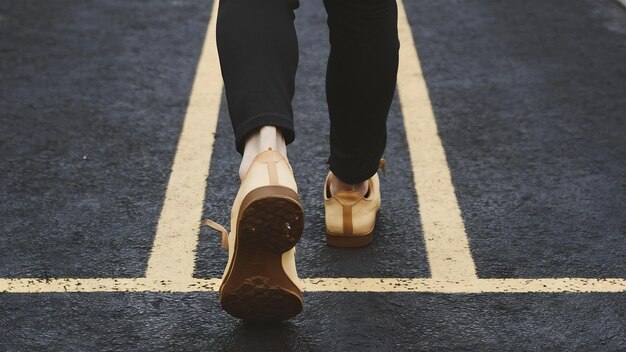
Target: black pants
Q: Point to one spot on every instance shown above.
(258, 50)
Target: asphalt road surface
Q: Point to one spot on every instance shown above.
(528, 155)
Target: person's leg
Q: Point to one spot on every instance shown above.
(258, 50)
(360, 84)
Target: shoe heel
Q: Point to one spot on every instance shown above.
(271, 217)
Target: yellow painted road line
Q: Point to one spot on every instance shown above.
(23, 285)
(556, 285)
(446, 242)
(173, 252)
(171, 264)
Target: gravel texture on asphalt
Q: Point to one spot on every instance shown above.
(529, 101)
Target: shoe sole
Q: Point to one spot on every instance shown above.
(256, 287)
(353, 241)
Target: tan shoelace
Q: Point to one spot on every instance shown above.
(218, 227)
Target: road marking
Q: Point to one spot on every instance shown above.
(559, 285)
(174, 249)
(446, 242)
(171, 264)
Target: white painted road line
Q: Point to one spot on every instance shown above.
(174, 249)
(558, 285)
(447, 245)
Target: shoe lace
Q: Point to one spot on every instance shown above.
(222, 230)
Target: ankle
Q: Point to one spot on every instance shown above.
(259, 141)
(337, 185)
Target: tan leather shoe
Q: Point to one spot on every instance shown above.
(350, 217)
(260, 281)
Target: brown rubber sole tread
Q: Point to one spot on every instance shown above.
(258, 300)
(256, 287)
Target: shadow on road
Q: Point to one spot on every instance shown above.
(285, 336)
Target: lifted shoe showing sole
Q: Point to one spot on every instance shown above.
(260, 282)
(257, 287)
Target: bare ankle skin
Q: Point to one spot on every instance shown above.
(259, 141)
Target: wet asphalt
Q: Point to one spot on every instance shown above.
(530, 105)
